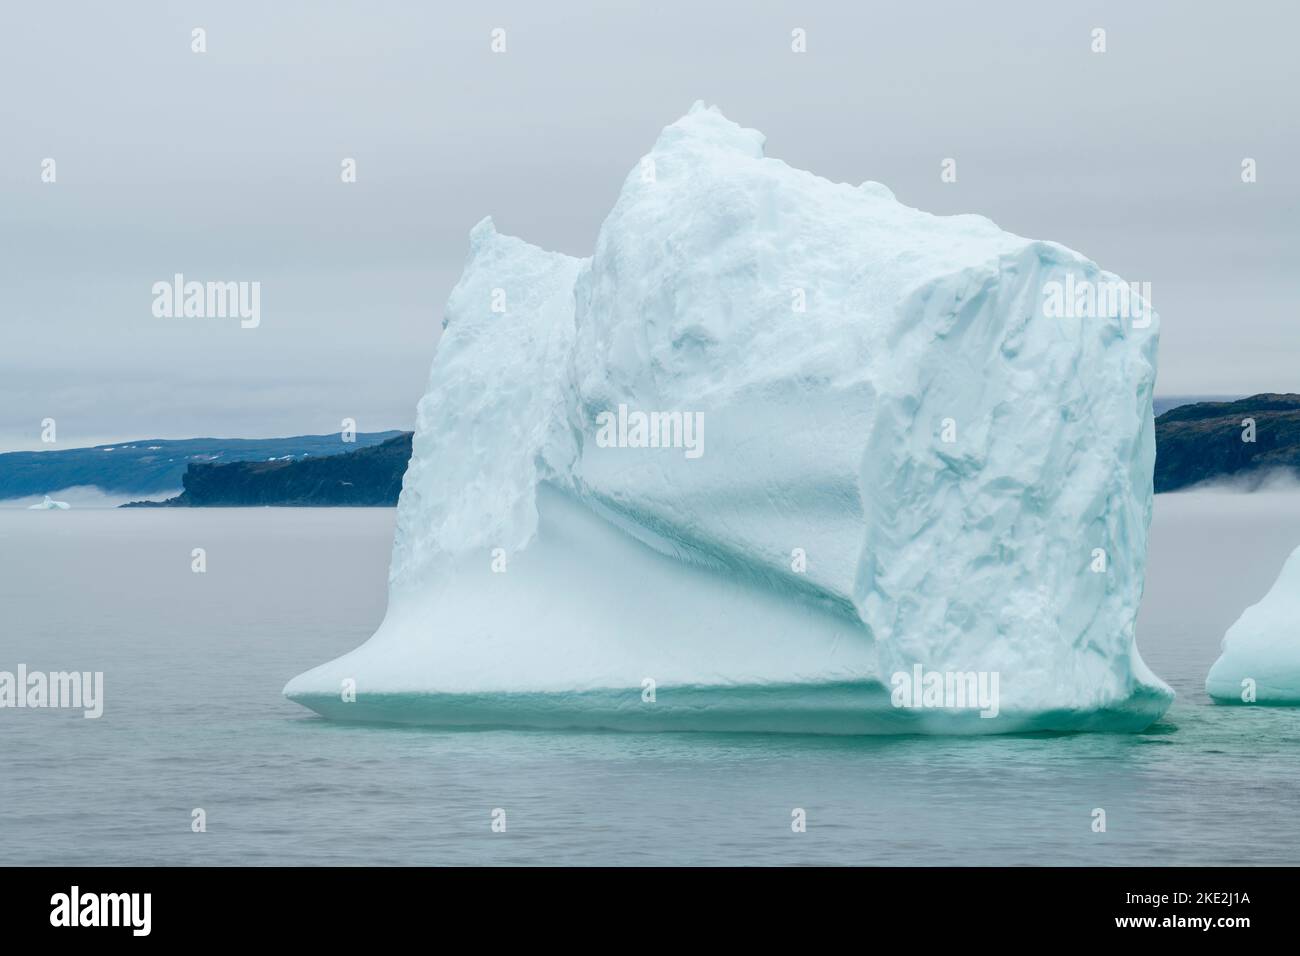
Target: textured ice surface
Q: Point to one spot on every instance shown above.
(882, 398)
(492, 423)
(49, 504)
(1263, 647)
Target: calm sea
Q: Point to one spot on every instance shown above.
(193, 718)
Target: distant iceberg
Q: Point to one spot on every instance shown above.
(49, 504)
(778, 445)
(1260, 659)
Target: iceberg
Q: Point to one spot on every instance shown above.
(777, 448)
(1260, 659)
(49, 504)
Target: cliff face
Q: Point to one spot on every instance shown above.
(1202, 442)
(367, 477)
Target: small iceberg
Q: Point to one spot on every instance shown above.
(49, 504)
(1260, 660)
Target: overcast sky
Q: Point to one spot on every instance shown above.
(225, 165)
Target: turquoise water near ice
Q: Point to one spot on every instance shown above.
(193, 717)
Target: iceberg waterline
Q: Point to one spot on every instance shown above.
(908, 464)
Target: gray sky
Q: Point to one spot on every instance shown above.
(225, 165)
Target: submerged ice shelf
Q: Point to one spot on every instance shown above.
(896, 460)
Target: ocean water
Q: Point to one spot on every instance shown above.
(193, 718)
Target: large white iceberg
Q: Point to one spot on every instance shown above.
(1260, 659)
(776, 442)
